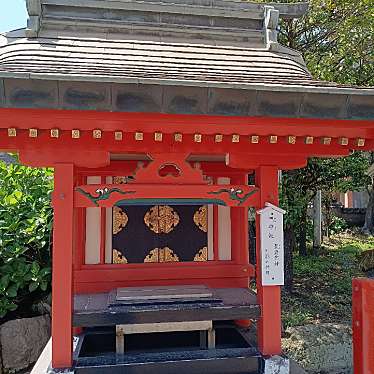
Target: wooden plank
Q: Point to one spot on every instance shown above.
(205, 327)
(165, 292)
(175, 314)
(147, 328)
(214, 365)
(93, 310)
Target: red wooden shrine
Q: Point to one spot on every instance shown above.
(172, 137)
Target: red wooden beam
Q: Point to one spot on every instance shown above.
(102, 278)
(164, 271)
(138, 194)
(62, 278)
(103, 285)
(89, 152)
(86, 144)
(269, 325)
(169, 123)
(128, 167)
(296, 136)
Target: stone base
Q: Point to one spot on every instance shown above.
(22, 341)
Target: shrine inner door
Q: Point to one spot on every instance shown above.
(159, 233)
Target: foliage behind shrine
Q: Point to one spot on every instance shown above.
(25, 236)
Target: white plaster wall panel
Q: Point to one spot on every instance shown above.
(93, 230)
(108, 230)
(224, 227)
(210, 233)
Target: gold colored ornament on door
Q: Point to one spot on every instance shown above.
(120, 220)
(161, 255)
(161, 219)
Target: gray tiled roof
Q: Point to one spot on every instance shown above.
(130, 55)
(195, 41)
(137, 61)
(119, 60)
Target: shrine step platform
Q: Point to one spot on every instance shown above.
(224, 304)
(167, 353)
(164, 330)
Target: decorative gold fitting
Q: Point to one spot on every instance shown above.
(139, 136)
(273, 139)
(75, 134)
(198, 138)
(291, 139)
(326, 141)
(255, 139)
(309, 140)
(33, 133)
(55, 133)
(118, 135)
(158, 136)
(218, 138)
(360, 142)
(178, 137)
(12, 132)
(343, 141)
(235, 138)
(97, 134)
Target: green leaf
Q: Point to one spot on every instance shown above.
(17, 194)
(45, 271)
(12, 291)
(35, 267)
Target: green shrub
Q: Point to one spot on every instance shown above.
(25, 237)
(338, 225)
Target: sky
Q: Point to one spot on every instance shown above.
(13, 14)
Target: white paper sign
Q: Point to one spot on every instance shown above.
(272, 245)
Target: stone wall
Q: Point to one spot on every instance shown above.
(22, 341)
(353, 216)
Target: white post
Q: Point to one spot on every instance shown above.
(317, 221)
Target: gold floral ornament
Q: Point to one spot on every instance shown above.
(120, 220)
(119, 180)
(201, 218)
(161, 219)
(202, 255)
(118, 257)
(161, 255)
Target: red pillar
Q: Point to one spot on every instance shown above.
(363, 325)
(62, 274)
(269, 297)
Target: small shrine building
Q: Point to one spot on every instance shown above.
(153, 114)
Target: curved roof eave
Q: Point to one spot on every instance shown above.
(184, 98)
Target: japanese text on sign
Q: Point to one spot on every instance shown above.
(272, 241)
